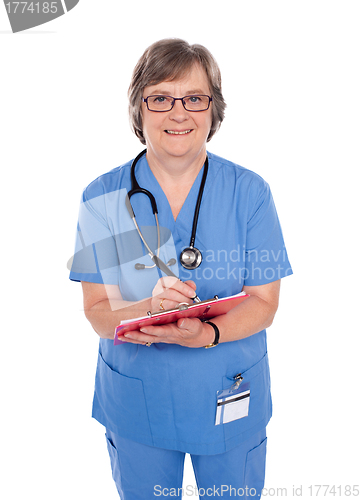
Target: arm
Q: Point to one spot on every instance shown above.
(105, 307)
(252, 316)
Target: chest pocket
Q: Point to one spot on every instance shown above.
(233, 403)
(255, 409)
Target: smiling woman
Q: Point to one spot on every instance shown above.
(179, 132)
(161, 394)
(166, 61)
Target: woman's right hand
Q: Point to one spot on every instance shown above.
(169, 292)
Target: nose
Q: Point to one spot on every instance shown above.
(178, 113)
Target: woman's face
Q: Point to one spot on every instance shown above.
(178, 133)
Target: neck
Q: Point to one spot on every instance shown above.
(170, 170)
(176, 176)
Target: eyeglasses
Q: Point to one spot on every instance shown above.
(163, 103)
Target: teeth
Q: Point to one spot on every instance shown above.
(177, 133)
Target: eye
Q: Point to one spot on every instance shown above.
(159, 99)
(194, 99)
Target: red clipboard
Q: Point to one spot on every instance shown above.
(203, 310)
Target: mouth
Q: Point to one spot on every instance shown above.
(178, 132)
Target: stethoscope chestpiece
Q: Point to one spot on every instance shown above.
(190, 258)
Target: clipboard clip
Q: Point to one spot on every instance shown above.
(183, 306)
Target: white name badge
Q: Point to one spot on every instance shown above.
(233, 403)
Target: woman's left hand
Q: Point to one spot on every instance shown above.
(188, 332)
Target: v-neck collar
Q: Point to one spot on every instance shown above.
(186, 213)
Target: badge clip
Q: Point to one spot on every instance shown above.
(238, 380)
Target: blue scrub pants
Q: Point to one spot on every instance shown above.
(142, 472)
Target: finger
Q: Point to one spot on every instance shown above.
(190, 324)
(177, 296)
(163, 284)
(136, 337)
(169, 283)
(178, 292)
(172, 302)
(191, 284)
(161, 333)
(186, 288)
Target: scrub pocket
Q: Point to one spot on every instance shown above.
(232, 403)
(113, 454)
(119, 403)
(256, 467)
(254, 404)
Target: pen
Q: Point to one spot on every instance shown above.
(163, 267)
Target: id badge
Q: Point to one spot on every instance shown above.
(233, 403)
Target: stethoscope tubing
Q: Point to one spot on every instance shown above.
(198, 204)
(190, 257)
(136, 188)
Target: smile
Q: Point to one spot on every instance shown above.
(174, 132)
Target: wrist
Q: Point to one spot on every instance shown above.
(214, 335)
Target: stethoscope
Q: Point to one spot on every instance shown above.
(191, 257)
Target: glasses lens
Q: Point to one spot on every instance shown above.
(159, 103)
(196, 102)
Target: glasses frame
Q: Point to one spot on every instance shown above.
(145, 99)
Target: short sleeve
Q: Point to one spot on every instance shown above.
(95, 257)
(266, 258)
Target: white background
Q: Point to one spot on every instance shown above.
(291, 73)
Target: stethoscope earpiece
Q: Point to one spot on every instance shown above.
(139, 266)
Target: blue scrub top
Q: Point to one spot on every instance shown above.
(166, 395)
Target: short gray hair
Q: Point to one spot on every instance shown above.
(168, 60)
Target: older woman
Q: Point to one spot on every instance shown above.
(161, 394)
